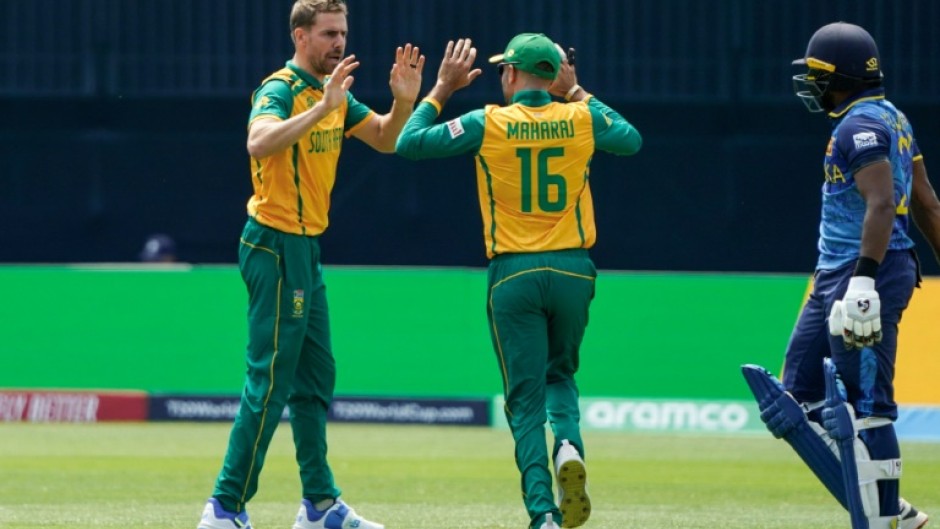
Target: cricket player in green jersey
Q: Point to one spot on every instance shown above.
(299, 118)
(533, 163)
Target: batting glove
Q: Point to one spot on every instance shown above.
(857, 316)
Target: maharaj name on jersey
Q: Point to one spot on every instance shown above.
(540, 130)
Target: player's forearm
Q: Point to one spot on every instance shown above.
(876, 229)
(926, 215)
(928, 222)
(925, 208)
(267, 137)
(409, 143)
(391, 125)
(441, 93)
(576, 93)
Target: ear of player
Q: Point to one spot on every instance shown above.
(857, 316)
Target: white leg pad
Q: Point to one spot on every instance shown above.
(869, 472)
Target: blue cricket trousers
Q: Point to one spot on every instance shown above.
(868, 373)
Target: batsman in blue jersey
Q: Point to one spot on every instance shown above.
(835, 405)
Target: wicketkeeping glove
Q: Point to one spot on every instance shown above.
(857, 316)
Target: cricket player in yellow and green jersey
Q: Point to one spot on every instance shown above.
(300, 116)
(533, 161)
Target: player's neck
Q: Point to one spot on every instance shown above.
(305, 65)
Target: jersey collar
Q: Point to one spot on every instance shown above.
(865, 95)
(304, 75)
(532, 98)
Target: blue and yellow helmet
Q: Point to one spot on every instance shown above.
(839, 57)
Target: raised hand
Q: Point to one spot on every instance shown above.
(567, 77)
(405, 79)
(334, 90)
(455, 70)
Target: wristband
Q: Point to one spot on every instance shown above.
(866, 266)
(572, 91)
(434, 103)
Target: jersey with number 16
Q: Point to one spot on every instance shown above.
(533, 162)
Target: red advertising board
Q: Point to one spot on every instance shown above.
(72, 406)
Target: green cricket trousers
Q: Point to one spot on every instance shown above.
(289, 360)
(538, 311)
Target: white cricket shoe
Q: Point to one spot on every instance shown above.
(549, 523)
(571, 478)
(911, 518)
(216, 517)
(338, 516)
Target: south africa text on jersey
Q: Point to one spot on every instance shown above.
(540, 130)
(326, 140)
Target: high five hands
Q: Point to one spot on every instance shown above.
(455, 70)
(405, 78)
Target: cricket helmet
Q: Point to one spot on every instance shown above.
(839, 57)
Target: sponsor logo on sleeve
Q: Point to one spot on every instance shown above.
(455, 128)
(864, 140)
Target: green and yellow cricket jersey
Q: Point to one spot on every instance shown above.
(292, 187)
(533, 164)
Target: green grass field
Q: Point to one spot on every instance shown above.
(411, 477)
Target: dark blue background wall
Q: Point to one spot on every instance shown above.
(121, 118)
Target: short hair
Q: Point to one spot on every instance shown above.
(304, 13)
(545, 66)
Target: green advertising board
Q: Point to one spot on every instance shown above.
(409, 332)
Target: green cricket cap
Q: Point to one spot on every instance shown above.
(533, 53)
